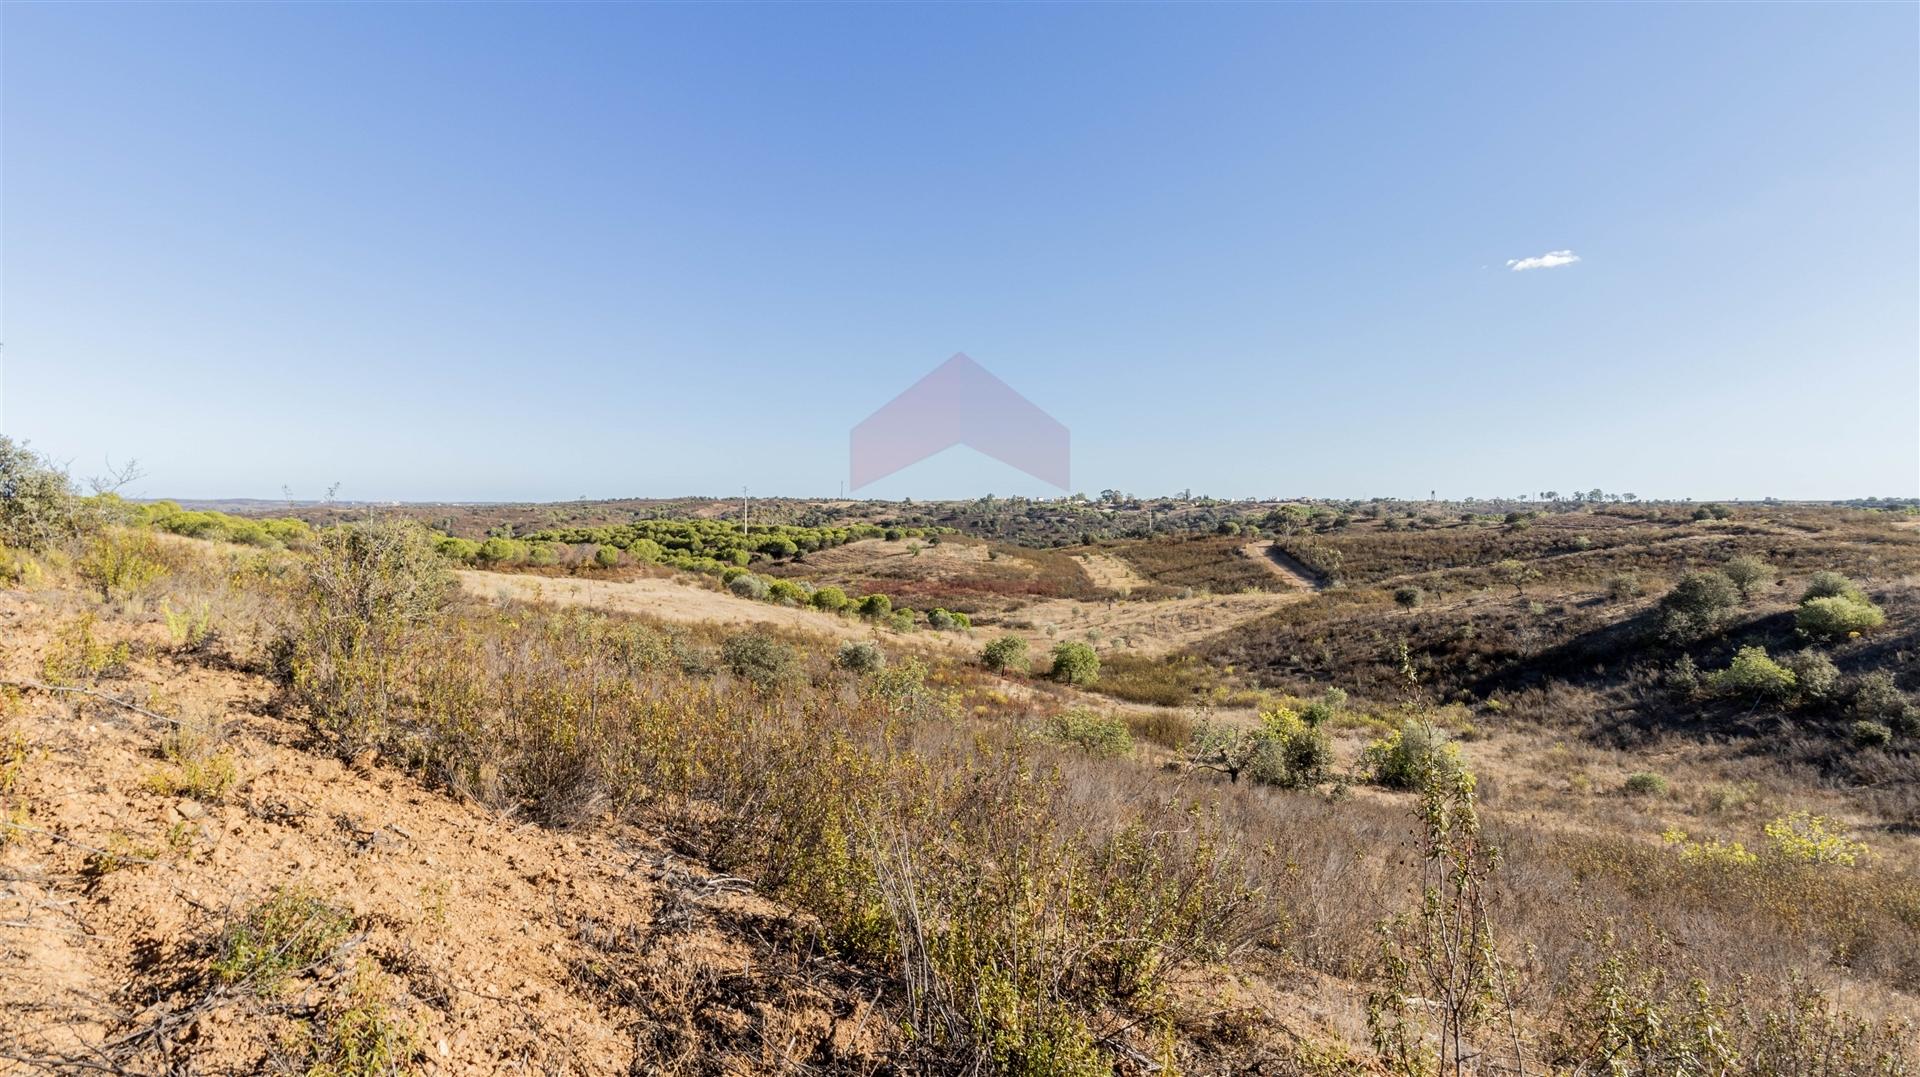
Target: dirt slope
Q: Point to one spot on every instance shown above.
(496, 946)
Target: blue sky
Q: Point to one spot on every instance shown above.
(505, 252)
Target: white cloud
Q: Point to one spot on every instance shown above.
(1549, 260)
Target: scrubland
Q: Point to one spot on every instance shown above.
(301, 802)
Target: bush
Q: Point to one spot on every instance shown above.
(121, 563)
(1831, 585)
(1838, 617)
(606, 556)
(1698, 605)
(1875, 698)
(290, 931)
(1753, 674)
(1008, 654)
(856, 657)
(1815, 675)
(748, 585)
(1806, 838)
(500, 551)
(1645, 784)
(462, 551)
(948, 620)
(366, 588)
(1325, 709)
(1094, 733)
(1075, 663)
(786, 592)
(1870, 735)
(1624, 586)
(830, 599)
(876, 607)
(198, 766)
(1289, 752)
(1412, 756)
(1408, 597)
(1748, 573)
(758, 658)
(37, 504)
(1284, 751)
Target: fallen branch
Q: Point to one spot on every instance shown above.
(91, 694)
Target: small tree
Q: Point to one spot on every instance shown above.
(1075, 663)
(37, 505)
(1408, 596)
(876, 607)
(1748, 573)
(606, 556)
(1092, 732)
(830, 599)
(1008, 654)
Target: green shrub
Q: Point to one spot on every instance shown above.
(830, 599)
(1870, 735)
(940, 620)
(901, 620)
(1283, 751)
(606, 556)
(858, 657)
(876, 607)
(1075, 663)
(1752, 674)
(198, 766)
(121, 563)
(188, 629)
(1094, 733)
(1825, 584)
(366, 588)
(359, 1034)
(1698, 605)
(1008, 654)
(289, 932)
(1837, 617)
(37, 503)
(1408, 596)
(758, 658)
(543, 554)
(901, 690)
(1814, 675)
(1412, 756)
(462, 551)
(1874, 697)
(1748, 573)
(1624, 586)
(501, 551)
(786, 592)
(748, 585)
(1645, 783)
(1289, 752)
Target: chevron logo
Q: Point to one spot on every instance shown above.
(960, 403)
